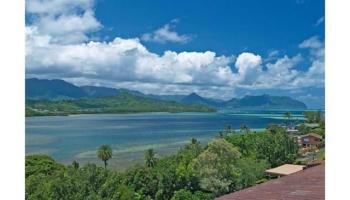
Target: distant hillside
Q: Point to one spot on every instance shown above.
(44, 89)
(194, 98)
(246, 103)
(122, 103)
(264, 102)
(37, 89)
(93, 91)
(52, 89)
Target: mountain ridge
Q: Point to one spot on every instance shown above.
(41, 89)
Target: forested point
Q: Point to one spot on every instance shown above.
(122, 103)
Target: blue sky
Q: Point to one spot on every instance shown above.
(226, 26)
(220, 49)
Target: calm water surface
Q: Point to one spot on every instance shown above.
(77, 137)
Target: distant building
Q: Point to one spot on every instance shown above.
(311, 140)
(312, 125)
(292, 131)
(304, 184)
(284, 170)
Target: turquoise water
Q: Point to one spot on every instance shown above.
(77, 137)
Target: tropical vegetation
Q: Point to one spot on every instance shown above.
(228, 163)
(122, 103)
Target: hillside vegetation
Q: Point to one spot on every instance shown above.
(121, 103)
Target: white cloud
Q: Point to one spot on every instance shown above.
(124, 60)
(249, 67)
(165, 34)
(313, 43)
(319, 21)
(54, 7)
(58, 46)
(65, 21)
(315, 74)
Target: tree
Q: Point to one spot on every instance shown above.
(250, 171)
(277, 148)
(287, 117)
(228, 130)
(184, 194)
(194, 141)
(274, 129)
(105, 153)
(314, 117)
(75, 164)
(125, 193)
(150, 158)
(41, 164)
(244, 128)
(215, 166)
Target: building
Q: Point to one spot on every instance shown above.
(292, 131)
(284, 170)
(304, 184)
(311, 140)
(312, 125)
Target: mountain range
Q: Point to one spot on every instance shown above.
(43, 89)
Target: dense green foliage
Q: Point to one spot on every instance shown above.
(274, 146)
(314, 117)
(122, 103)
(228, 163)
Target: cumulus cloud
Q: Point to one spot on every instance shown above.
(64, 21)
(58, 46)
(124, 60)
(249, 67)
(166, 34)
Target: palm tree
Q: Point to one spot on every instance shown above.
(194, 141)
(150, 158)
(104, 153)
(75, 164)
(287, 117)
(244, 128)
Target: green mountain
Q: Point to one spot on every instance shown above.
(194, 98)
(44, 89)
(51, 89)
(94, 91)
(121, 103)
(264, 102)
(48, 90)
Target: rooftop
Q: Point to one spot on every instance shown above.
(303, 185)
(286, 169)
(313, 135)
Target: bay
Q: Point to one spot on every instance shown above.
(77, 137)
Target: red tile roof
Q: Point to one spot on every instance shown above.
(308, 184)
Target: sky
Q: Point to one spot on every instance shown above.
(218, 49)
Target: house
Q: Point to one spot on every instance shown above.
(284, 170)
(311, 140)
(304, 184)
